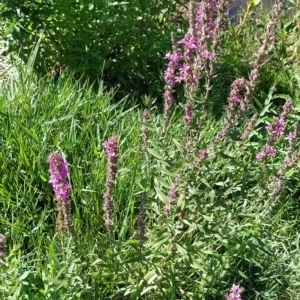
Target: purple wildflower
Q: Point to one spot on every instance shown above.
(170, 73)
(58, 175)
(286, 110)
(190, 49)
(58, 178)
(235, 99)
(235, 293)
(1, 245)
(269, 151)
(190, 43)
(169, 99)
(186, 74)
(277, 187)
(277, 129)
(173, 195)
(200, 156)
(205, 25)
(235, 105)
(171, 79)
(111, 146)
(260, 156)
(188, 118)
(290, 161)
(239, 103)
(290, 136)
(260, 56)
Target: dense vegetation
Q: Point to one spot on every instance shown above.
(105, 199)
(122, 42)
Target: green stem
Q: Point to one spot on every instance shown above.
(249, 9)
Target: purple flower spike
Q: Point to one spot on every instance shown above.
(271, 152)
(235, 100)
(58, 175)
(111, 146)
(277, 129)
(188, 118)
(1, 245)
(260, 156)
(58, 178)
(235, 293)
(173, 195)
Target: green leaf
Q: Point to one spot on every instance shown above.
(43, 178)
(221, 183)
(197, 265)
(225, 155)
(194, 191)
(24, 275)
(178, 145)
(30, 133)
(161, 196)
(163, 183)
(234, 136)
(181, 250)
(180, 201)
(211, 195)
(166, 172)
(255, 2)
(289, 173)
(243, 274)
(136, 259)
(160, 241)
(258, 103)
(206, 183)
(155, 153)
(283, 96)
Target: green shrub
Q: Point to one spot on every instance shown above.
(124, 42)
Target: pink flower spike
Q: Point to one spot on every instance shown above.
(290, 136)
(58, 178)
(260, 156)
(58, 175)
(271, 151)
(235, 288)
(189, 116)
(235, 293)
(1, 245)
(111, 146)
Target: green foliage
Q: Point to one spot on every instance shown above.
(122, 42)
(222, 228)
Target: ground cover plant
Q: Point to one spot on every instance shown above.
(102, 201)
